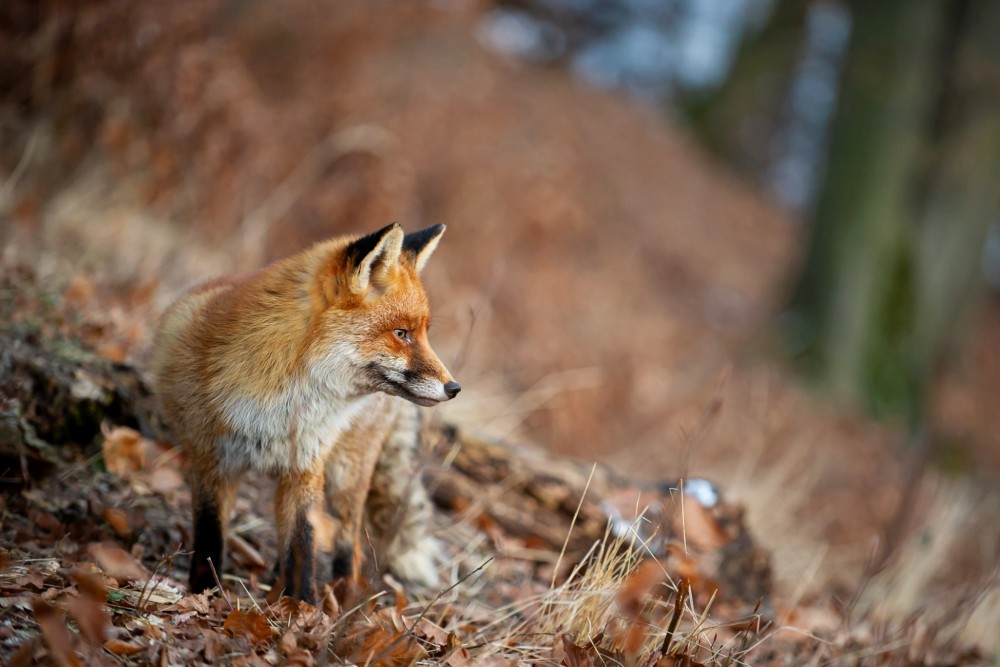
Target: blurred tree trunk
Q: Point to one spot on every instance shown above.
(855, 293)
(738, 119)
(901, 219)
(964, 190)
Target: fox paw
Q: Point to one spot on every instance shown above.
(419, 564)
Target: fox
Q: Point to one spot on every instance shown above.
(309, 370)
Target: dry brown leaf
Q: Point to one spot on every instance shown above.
(117, 562)
(288, 607)
(634, 640)
(700, 528)
(250, 624)
(399, 593)
(120, 647)
(373, 644)
(88, 609)
(299, 658)
(124, 450)
(118, 520)
(428, 630)
(329, 603)
(112, 351)
(57, 635)
(390, 616)
(289, 642)
(164, 479)
(23, 656)
(458, 655)
(79, 291)
(47, 521)
(197, 602)
(575, 656)
(643, 581)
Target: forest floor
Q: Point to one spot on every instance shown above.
(604, 289)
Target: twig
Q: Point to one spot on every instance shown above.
(679, 599)
(222, 591)
(746, 635)
(140, 603)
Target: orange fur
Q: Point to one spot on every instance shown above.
(285, 370)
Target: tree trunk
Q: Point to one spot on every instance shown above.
(739, 119)
(964, 193)
(855, 300)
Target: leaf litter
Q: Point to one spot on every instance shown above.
(83, 585)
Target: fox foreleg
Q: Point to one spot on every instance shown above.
(297, 493)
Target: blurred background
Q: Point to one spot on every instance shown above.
(752, 240)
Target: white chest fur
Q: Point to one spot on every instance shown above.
(287, 432)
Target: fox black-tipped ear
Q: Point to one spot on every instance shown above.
(419, 246)
(372, 254)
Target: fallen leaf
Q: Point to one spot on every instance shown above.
(79, 291)
(117, 562)
(643, 581)
(47, 521)
(119, 647)
(57, 635)
(87, 608)
(164, 479)
(299, 658)
(376, 645)
(288, 642)
(458, 656)
(576, 656)
(429, 630)
(329, 603)
(700, 528)
(118, 520)
(124, 450)
(23, 656)
(250, 624)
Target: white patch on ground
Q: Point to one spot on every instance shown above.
(703, 491)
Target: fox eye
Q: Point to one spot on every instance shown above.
(403, 335)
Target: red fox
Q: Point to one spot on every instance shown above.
(296, 370)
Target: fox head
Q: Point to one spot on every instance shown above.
(377, 315)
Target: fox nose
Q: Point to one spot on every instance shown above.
(451, 389)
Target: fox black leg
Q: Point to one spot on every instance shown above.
(343, 559)
(207, 545)
(296, 495)
(212, 504)
(298, 565)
